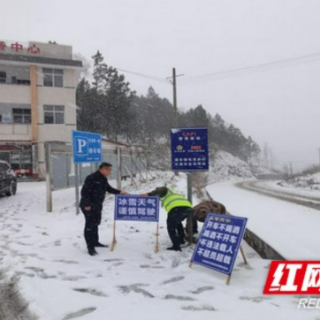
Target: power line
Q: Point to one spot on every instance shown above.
(144, 76)
(251, 69)
(233, 72)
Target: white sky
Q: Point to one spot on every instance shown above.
(47, 252)
(279, 106)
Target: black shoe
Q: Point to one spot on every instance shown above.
(182, 241)
(101, 245)
(92, 252)
(173, 248)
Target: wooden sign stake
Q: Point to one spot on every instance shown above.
(156, 248)
(114, 241)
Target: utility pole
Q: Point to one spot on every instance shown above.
(175, 106)
(174, 82)
(189, 177)
(319, 157)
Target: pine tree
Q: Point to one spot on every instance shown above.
(110, 98)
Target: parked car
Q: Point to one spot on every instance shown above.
(8, 179)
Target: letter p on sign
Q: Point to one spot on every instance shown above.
(82, 146)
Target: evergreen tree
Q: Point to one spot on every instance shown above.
(106, 105)
(109, 107)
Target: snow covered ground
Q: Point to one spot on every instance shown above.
(306, 191)
(291, 229)
(308, 181)
(47, 252)
(224, 166)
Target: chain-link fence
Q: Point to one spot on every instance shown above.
(128, 163)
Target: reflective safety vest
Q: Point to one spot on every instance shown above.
(172, 200)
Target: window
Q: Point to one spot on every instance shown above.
(53, 114)
(22, 81)
(52, 77)
(3, 77)
(21, 115)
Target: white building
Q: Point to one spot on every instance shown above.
(37, 101)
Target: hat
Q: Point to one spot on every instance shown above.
(161, 191)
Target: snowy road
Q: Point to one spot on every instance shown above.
(47, 255)
(270, 188)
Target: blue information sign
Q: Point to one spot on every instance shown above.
(189, 149)
(133, 207)
(219, 242)
(86, 147)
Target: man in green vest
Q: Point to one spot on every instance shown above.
(178, 209)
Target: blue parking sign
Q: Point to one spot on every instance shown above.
(87, 147)
(189, 149)
(219, 242)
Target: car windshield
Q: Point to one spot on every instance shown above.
(3, 166)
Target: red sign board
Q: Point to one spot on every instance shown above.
(293, 277)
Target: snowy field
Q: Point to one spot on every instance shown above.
(47, 252)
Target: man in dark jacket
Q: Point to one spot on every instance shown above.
(92, 196)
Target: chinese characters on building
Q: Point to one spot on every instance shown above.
(189, 149)
(219, 242)
(132, 207)
(16, 47)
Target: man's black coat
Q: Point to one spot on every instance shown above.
(94, 190)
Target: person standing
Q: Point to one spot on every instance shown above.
(92, 196)
(178, 209)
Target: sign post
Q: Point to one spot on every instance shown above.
(219, 243)
(189, 152)
(189, 149)
(87, 148)
(136, 208)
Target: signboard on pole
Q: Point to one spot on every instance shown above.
(189, 149)
(133, 207)
(86, 146)
(219, 242)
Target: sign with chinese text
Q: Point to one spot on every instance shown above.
(86, 147)
(133, 207)
(293, 277)
(189, 149)
(219, 242)
(16, 47)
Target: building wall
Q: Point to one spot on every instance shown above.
(14, 95)
(10, 93)
(9, 132)
(52, 50)
(64, 96)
